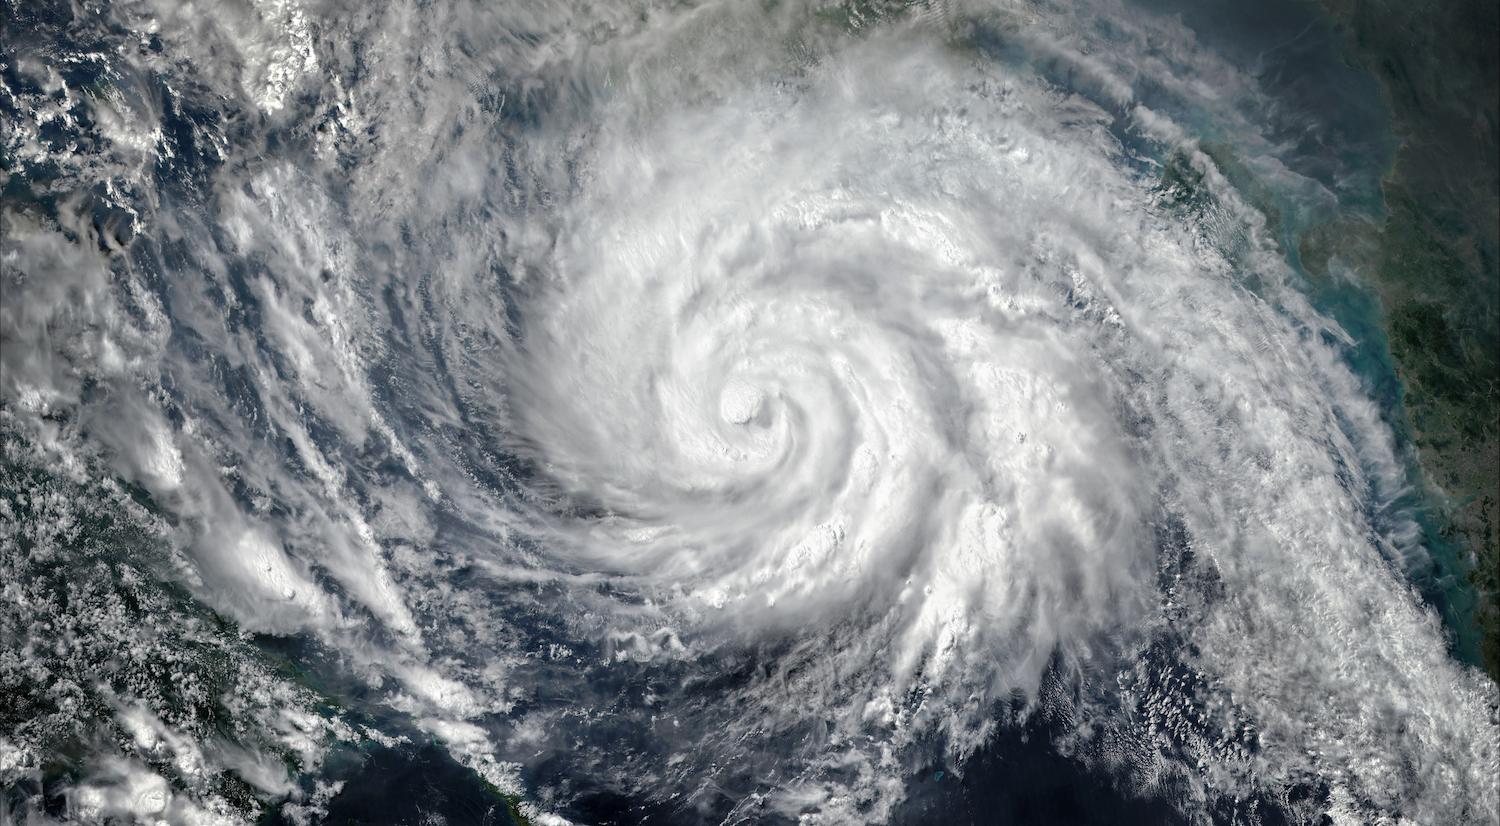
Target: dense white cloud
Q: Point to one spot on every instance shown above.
(860, 361)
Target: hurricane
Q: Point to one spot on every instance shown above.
(695, 412)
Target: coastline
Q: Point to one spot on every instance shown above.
(1434, 261)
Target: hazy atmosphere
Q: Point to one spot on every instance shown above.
(1010, 411)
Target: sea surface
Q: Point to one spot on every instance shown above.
(712, 413)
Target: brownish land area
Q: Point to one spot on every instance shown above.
(1436, 259)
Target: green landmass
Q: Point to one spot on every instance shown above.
(1435, 260)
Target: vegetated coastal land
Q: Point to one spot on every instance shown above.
(1436, 258)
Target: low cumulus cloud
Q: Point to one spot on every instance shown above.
(796, 402)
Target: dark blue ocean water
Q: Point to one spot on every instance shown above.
(1020, 778)
(1328, 124)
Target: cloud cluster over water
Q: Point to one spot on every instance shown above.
(795, 402)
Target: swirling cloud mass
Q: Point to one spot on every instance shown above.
(734, 408)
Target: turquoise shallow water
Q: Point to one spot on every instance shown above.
(1443, 577)
(1337, 133)
(1338, 145)
(1330, 144)
(524, 662)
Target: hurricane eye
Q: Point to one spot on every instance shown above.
(821, 413)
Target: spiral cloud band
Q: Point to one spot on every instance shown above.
(827, 379)
(743, 410)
